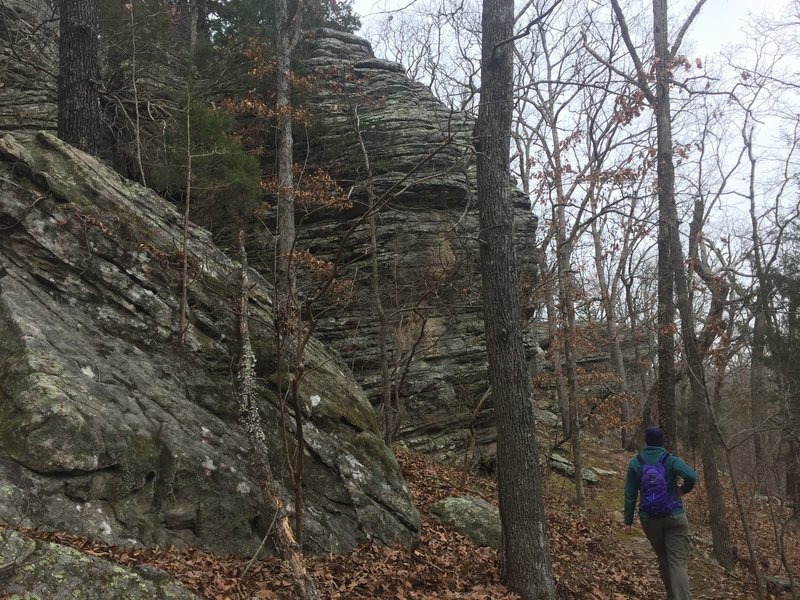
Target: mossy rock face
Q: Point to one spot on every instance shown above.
(113, 429)
(50, 571)
(470, 516)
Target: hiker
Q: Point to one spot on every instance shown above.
(653, 474)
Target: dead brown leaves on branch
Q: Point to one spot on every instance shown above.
(315, 190)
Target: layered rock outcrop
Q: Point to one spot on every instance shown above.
(112, 429)
(392, 145)
(121, 476)
(28, 66)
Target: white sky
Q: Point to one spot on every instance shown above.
(718, 24)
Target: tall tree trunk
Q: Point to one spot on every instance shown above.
(287, 32)
(567, 305)
(609, 298)
(137, 133)
(183, 322)
(565, 298)
(758, 398)
(644, 381)
(720, 532)
(554, 349)
(791, 431)
(391, 413)
(657, 94)
(793, 472)
(78, 110)
(672, 275)
(665, 178)
(527, 569)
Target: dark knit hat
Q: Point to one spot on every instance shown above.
(654, 436)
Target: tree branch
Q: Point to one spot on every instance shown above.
(684, 28)
(626, 37)
(526, 30)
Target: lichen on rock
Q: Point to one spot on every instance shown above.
(108, 427)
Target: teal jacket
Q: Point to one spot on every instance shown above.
(675, 468)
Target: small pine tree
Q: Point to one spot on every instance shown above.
(226, 179)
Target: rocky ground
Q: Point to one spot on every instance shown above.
(592, 557)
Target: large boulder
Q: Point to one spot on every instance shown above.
(109, 427)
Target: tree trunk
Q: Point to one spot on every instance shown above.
(609, 298)
(250, 418)
(566, 302)
(183, 322)
(391, 413)
(567, 305)
(78, 110)
(287, 30)
(665, 177)
(793, 472)
(527, 569)
(644, 381)
(758, 390)
(554, 350)
(720, 532)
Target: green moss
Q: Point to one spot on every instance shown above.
(340, 406)
(370, 449)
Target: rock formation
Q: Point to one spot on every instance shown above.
(28, 65)
(108, 427)
(421, 173)
(49, 571)
(421, 170)
(129, 436)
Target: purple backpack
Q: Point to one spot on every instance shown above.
(655, 499)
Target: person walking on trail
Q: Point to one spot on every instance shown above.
(653, 475)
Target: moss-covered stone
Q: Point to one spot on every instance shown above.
(48, 571)
(472, 517)
(371, 449)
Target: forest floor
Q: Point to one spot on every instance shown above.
(593, 558)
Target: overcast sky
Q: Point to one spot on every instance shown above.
(718, 24)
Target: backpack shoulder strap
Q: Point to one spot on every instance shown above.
(663, 458)
(640, 458)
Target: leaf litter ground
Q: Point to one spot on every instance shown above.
(592, 557)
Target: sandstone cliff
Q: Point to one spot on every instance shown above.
(422, 169)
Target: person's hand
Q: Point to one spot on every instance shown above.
(628, 529)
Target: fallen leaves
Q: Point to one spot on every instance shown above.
(592, 560)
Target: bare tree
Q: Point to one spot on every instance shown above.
(288, 20)
(527, 568)
(250, 418)
(673, 278)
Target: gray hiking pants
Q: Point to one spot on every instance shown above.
(669, 537)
